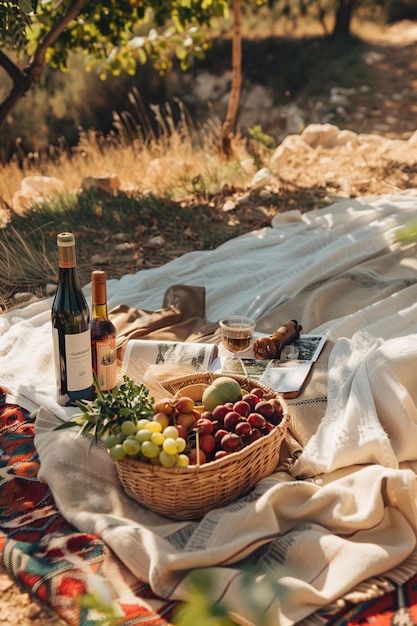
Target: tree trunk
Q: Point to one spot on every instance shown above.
(232, 109)
(344, 14)
(25, 79)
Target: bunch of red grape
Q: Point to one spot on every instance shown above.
(232, 426)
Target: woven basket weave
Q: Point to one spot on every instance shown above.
(189, 492)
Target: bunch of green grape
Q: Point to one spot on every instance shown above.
(148, 441)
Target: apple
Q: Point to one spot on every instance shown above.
(182, 431)
(277, 405)
(207, 443)
(187, 420)
(243, 429)
(184, 404)
(242, 407)
(164, 405)
(257, 391)
(254, 436)
(231, 442)
(204, 426)
(231, 419)
(220, 454)
(251, 399)
(162, 418)
(265, 408)
(256, 420)
(219, 412)
(193, 456)
(219, 434)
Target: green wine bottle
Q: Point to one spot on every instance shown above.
(71, 330)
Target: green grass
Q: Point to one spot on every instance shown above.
(28, 245)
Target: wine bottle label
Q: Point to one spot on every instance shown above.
(78, 363)
(106, 360)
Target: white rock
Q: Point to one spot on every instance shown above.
(256, 105)
(158, 168)
(345, 91)
(24, 295)
(50, 289)
(208, 86)
(338, 99)
(326, 135)
(34, 190)
(247, 165)
(372, 57)
(294, 119)
(124, 247)
(229, 205)
(413, 139)
(262, 178)
(99, 259)
(290, 146)
(155, 242)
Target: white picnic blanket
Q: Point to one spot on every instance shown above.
(249, 275)
(317, 540)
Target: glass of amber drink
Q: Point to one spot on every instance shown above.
(237, 332)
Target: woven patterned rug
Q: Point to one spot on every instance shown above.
(53, 561)
(48, 556)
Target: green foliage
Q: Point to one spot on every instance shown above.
(107, 32)
(200, 610)
(13, 21)
(408, 233)
(258, 135)
(107, 412)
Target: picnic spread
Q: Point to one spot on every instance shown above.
(328, 537)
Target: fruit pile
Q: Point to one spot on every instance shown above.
(181, 432)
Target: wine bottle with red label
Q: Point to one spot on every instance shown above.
(103, 335)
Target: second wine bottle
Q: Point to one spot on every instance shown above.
(103, 335)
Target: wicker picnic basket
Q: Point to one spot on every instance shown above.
(189, 492)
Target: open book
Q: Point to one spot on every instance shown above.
(285, 375)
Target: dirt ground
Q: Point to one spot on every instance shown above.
(395, 82)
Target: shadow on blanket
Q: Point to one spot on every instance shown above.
(53, 561)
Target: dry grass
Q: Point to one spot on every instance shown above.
(170, 161)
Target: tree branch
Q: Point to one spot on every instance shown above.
(236, 80)
(11, 68)
(35, 65)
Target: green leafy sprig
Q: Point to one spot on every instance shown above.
(105, 414)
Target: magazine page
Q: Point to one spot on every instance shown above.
(309, 347)
(285, 375)
(198, 356)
